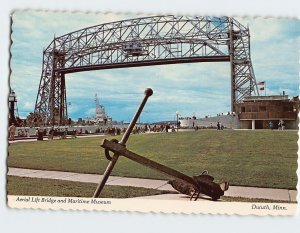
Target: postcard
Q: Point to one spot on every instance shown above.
(153, 113)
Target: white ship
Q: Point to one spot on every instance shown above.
(101, 117)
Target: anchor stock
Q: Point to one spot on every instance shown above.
(121, 150)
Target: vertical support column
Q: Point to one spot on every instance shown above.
(57, 95)
(62, 97)
(51, 101)
(253, 86)
(253, 124)
(232, 72)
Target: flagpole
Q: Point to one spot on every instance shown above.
(262, 88)
(265, 88)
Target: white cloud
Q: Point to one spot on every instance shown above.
(28, 105)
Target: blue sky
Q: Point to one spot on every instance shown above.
(199, 88)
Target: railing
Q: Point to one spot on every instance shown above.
(267, 115)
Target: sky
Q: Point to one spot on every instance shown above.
(191, 89)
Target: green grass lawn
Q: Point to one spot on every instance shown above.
(261, 158)
(61, 188)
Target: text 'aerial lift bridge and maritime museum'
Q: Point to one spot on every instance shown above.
(148, 41)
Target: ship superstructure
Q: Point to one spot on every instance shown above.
(101, 117)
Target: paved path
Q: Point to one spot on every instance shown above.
(234, 191)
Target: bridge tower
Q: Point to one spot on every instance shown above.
(51, 103)
(241, 70)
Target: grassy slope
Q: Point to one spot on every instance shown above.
(253, 158)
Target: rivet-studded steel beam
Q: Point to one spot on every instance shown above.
(148, 41)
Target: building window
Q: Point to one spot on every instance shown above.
(248, 108)
(262, 108)
(254, 108)
(288, 108)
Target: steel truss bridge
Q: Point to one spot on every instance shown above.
(147, 41)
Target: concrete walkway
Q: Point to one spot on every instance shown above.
(234, 191)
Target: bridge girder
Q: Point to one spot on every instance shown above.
(144, 41)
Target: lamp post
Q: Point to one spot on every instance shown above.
(12, 99)
(177, 113)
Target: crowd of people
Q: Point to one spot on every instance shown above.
(280, 126)
(220, 126)
(64, 131)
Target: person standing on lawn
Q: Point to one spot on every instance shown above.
(12, 131)
(271, 125)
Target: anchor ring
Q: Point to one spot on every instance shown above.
(106, 151)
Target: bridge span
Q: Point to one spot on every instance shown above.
(147, 41)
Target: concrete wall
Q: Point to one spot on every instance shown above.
(245, 124)
(228, 121)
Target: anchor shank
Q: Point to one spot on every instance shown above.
(119, 149)
(148, 93)
(106, 175)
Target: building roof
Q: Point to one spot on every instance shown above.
(266, 98)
